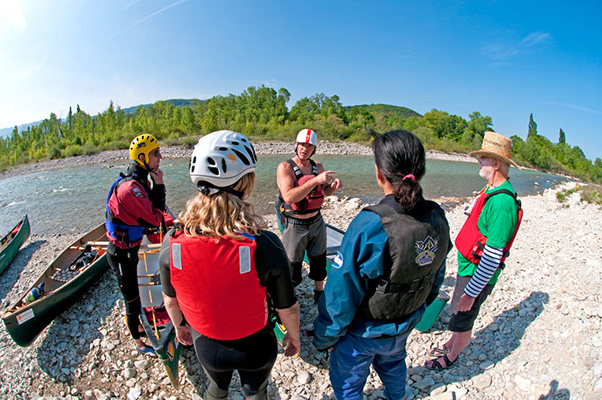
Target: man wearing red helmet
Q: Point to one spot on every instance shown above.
(303, 184)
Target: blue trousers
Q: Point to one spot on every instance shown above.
(350, 362)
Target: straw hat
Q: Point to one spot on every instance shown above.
(496, 146)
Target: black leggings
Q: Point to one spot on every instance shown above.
(253, 357)
(124, 263)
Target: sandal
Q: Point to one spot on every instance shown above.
(146, 351)
(436, 365)
(439, 351)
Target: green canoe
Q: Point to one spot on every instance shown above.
(12, 241)
(65, 279)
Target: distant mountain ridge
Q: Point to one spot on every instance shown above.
(175, 102)
(403, 112)
(5, 132)
(8, 131)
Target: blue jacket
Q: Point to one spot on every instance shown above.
(359, 260)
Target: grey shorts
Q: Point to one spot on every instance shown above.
(300, 235)
(464, 321)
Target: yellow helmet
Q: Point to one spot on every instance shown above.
(142, 144)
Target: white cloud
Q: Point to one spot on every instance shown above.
(505, 51)
(575, 107)
(10, 11)
(534, 38)
(141, 20)
(500, 51)
(160, 11)
(270, 83)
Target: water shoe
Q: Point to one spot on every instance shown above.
(146, 351)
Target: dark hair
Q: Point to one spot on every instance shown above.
(400, 157)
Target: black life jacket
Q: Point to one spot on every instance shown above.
(117, 228)
(418, 245)
(310, 203)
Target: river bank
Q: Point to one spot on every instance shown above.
(170, 152)
(538, 336)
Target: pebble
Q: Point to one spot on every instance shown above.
(538, 335)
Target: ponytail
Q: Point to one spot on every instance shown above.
(400, 157)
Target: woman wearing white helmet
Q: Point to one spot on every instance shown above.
(220, 269)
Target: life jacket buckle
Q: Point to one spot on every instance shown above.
(415, 285)
(383, 287)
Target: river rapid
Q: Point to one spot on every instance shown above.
(73, 198)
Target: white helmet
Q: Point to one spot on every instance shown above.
(307, 136)
(221, 158)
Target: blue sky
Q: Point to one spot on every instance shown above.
(505, 59)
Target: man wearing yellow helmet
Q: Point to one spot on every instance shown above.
(134, 205)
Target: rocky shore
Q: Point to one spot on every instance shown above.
(261, 148)
(538, 336)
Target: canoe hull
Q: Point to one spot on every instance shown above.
(157, 326)
(334, 236)
(25, 322)
(10, 250)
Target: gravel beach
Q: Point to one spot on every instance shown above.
(538, 336)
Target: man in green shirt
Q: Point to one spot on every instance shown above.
(483, 244)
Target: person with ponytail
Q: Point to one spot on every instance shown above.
(221, 270)
(390, 266)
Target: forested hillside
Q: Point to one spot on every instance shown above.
(262, 114)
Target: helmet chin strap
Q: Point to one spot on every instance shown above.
(144, 163)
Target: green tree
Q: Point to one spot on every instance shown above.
(532, 127)
(561, 137)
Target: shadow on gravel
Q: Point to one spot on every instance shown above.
(555, 394)
(497, 340)
(69, 338)
(510, 327)
(12, 273)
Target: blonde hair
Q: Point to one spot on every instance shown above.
(222, 214)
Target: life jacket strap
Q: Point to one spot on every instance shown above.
(419, 284)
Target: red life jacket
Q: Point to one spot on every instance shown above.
(217, 286)
(314, 199)
(470, 242)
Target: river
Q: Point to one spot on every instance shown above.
(73, 199)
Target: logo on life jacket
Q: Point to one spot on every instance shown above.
(426, 250)
(338, 260)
